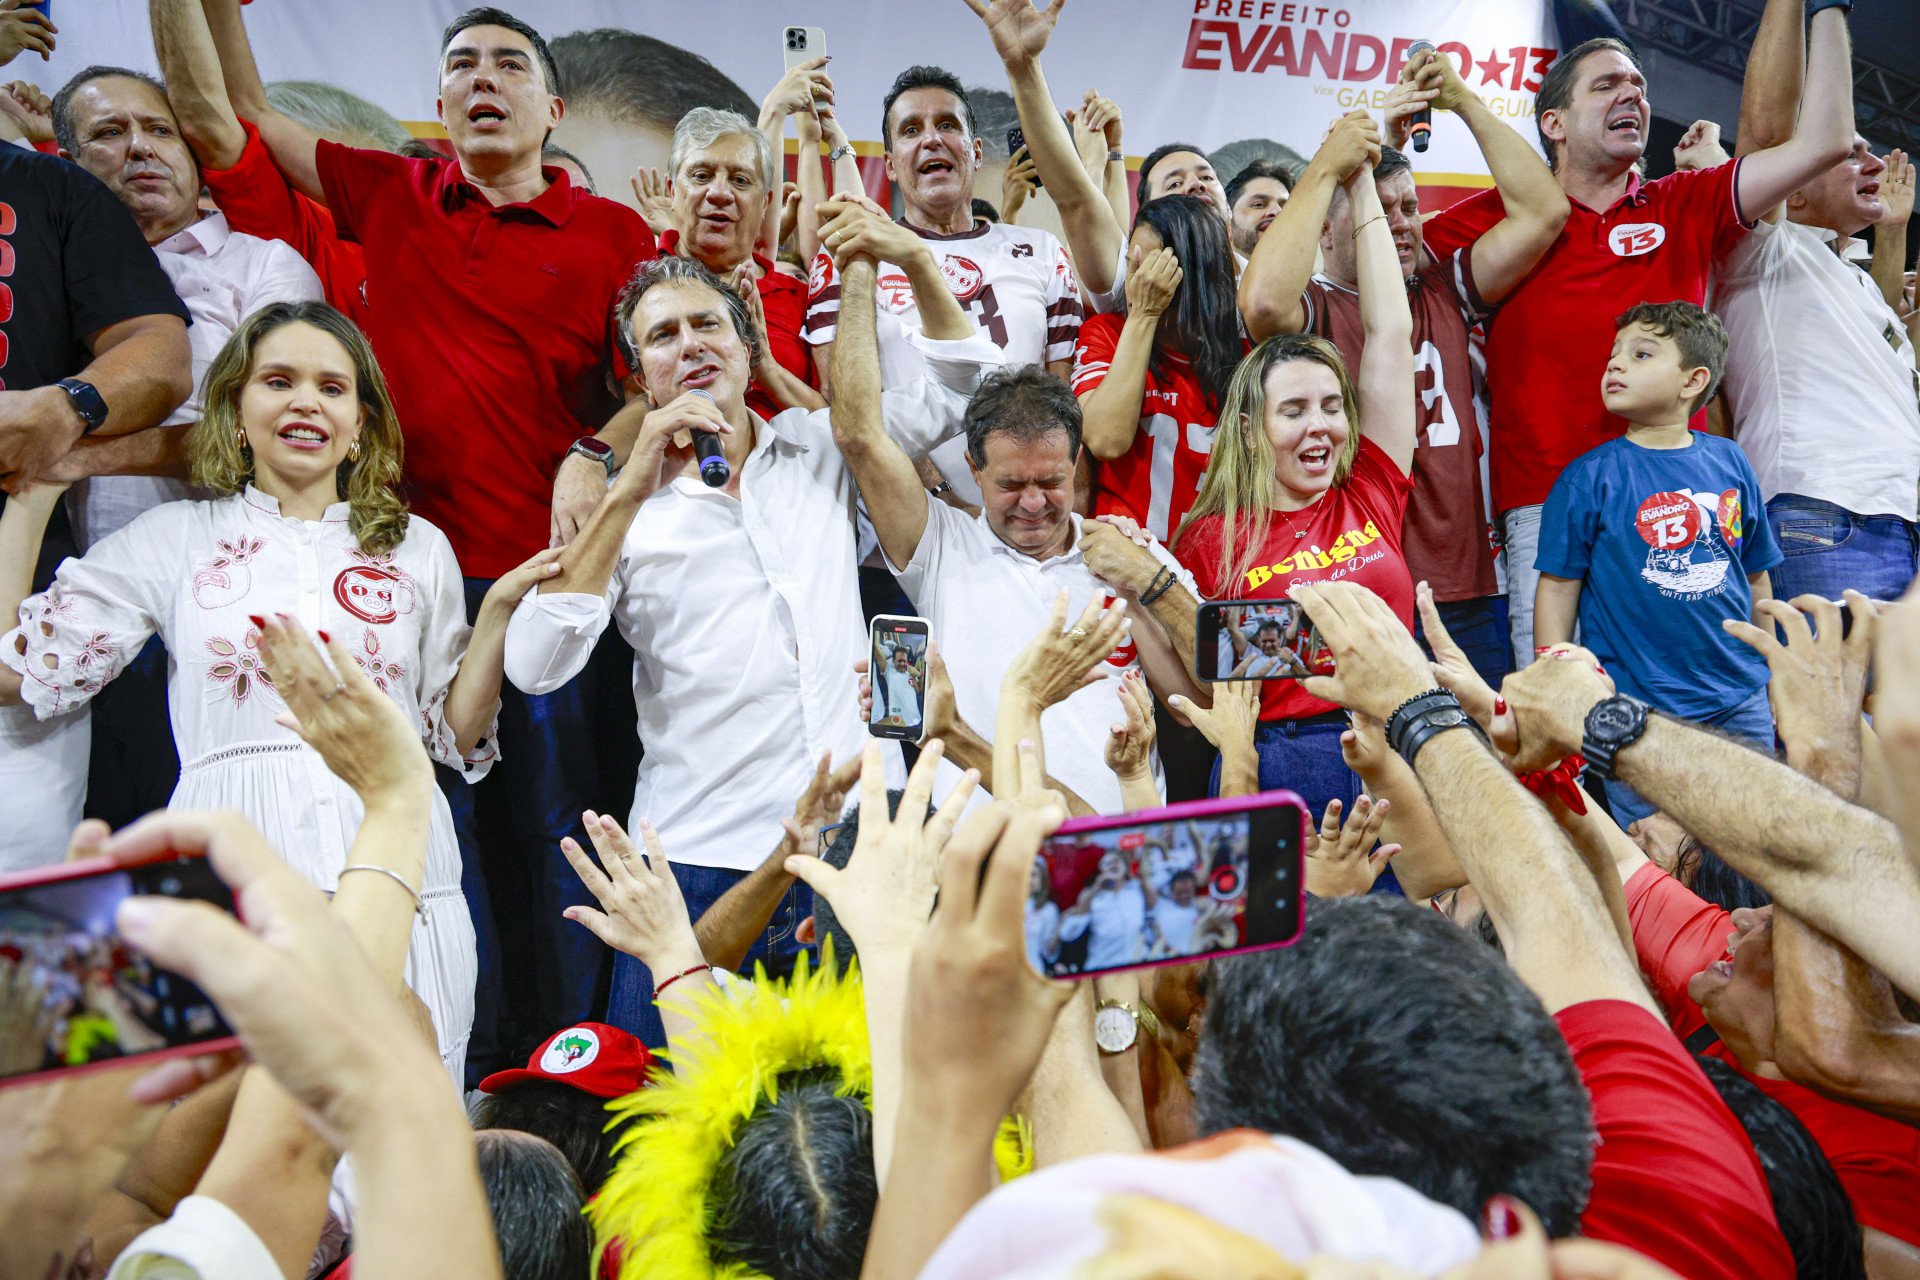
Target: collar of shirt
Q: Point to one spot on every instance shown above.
(998, 545)
(974, 232)
(267, 504)
(669, 243)
(1635, 195)
(1850, 248)
(205, 237)
(552, 206)
(766, 432)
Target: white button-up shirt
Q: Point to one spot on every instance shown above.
(985, 602)
(744, 617)
(223, 277)
(1820, 374)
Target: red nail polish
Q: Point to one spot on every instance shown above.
(1499, 1220)
(1499, 705)
(325, 638)
(258, 622)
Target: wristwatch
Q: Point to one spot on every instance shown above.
(942, 488)
(86, 401)
(1612, 726)
(1116, 155)
(1419, 718)
(1116, 1026)
(598, 450)
(833, 156)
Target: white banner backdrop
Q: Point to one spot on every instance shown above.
(1209, 72)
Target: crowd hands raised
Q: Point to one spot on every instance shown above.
(1535, 1025)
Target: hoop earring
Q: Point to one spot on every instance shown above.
(353, 451)
(240, 439)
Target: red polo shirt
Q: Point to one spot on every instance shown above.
(494, 327)
(1877, 1159)
(1547, 345)
(1674, 1176)
(259, 200)
(784, 300)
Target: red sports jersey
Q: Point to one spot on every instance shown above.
(1547, 345)
(1154, 481)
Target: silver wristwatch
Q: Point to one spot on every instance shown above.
(833, 156)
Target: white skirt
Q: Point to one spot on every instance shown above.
(311, 817)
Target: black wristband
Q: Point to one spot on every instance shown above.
(1815, 6)
(1403, 715)
(1157, 587)
(1431, 724)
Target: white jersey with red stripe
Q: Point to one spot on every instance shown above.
(1016, 283)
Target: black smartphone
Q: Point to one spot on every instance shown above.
(76, 996)
(1257, 640)
(1016, 139)
(897, 666)
(1164, 886)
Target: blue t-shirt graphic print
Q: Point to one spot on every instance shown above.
(1665, 540)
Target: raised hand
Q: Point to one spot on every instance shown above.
(884, 895)
(938, 714)
(1020, 31)
(1411, 93)
(31, 109)
(1016, 183)
(361, 733)
(1102, 114)
(1819, 678)
(1352, 146)
(641, 909)
(822, 803)
(1341, 858)
(1151, 286)
(798, 90)
(1130, 744)
(1058, 663)
(1699, 147)
(24, 30)
(1451, 666)
(655, 196)
(1896, 190)
(1377, 665)
(1229, 723)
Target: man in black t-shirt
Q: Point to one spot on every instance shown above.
(93, 343)
(90, 306)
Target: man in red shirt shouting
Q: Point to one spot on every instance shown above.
(1625, 242)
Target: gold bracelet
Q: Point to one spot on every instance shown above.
(1378, 217)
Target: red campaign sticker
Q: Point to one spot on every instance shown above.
(1669, 520)
(896, 292)
(964, 276)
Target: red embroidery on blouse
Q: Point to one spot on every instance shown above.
(379, 670)
(374, 589)
(226, 579)
(238, 667)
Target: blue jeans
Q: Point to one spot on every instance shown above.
(513, 821)
(630, 1006)
(1750, 721)
(1520, 535)
(1829, 549)
(1480, 627)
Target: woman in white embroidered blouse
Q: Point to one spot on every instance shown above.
(299, 433)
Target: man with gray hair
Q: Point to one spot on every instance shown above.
(724, 176)
(757, 577)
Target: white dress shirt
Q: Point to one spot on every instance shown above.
(985, 602)
(744, 617)
(1820, 374)
(223, 277)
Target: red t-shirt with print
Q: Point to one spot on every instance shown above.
(1352, 534)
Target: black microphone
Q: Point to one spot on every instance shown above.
(1422, 123)
(714, 470)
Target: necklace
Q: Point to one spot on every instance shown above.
(1287, 516)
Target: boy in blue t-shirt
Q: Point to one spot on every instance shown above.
(1655, 540)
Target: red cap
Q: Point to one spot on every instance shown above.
(591, 1056)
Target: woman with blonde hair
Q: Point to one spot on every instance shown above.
(300, 439)
(1308, 481)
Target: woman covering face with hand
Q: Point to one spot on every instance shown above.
(300, 438)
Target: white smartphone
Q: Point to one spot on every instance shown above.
(803, 44)
(897, 663)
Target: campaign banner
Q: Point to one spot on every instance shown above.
(1232, 77)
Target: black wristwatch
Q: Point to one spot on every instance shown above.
(1418, 719)
(1612, 726)
(598, 450)
(86, 401)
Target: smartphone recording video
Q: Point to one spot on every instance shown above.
(1207, 878)
(897, 663)
(1257, 640)
(81, 998)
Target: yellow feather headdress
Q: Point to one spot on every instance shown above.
(657, 1201)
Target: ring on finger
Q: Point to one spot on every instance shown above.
(333, 693)
(1078, 633)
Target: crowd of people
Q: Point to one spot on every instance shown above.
(1566, 530)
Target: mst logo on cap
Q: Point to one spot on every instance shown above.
(572, 1050)
(1631, 239)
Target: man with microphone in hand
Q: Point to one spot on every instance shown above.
(739, 599)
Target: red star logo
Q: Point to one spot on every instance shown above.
(1493, 69)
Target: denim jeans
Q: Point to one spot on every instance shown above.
(1520, 533)
(1829, 549)
(1750, 721)
(1479, 627)
(511, 825)
(630, 1006)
